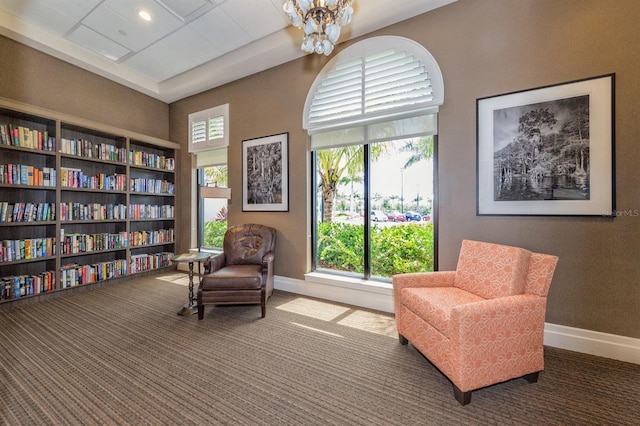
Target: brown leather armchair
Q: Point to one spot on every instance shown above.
(243, 273)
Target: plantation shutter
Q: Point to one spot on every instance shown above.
(380, 89)
(208, 129)
(383, 79)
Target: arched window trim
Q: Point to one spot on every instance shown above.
(362, 50)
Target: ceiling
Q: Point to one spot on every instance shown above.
(189, 45)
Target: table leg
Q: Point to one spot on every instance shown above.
(191, 307)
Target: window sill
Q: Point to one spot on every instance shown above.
(350, 283)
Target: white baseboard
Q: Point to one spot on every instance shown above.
(380, 298)
(592, 342)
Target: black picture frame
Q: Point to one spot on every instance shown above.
(265, 173)
(548, 151)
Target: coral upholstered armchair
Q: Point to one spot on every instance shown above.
(483, 323)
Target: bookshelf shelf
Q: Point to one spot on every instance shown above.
(65, 180)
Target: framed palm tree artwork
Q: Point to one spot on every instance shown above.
(265, 173)
(548, 151)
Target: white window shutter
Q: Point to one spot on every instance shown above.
(208, 129)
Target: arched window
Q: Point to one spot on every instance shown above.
(372, 117)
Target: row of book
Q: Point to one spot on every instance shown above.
(82, 243)
(16, 286)
(43, 212)
(27, 212)
(142, 238)
(147, 262)
(148, 211)
(26, 138)
(95, 211)
(89, 149)
(149, 159)
(73, 275)
(30, 248)
(24, 174)
(153, 186)
(75, 178)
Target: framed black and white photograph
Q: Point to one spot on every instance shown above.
(265, 173)
(548, 151)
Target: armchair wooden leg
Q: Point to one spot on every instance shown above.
(200, 312)
(462, 397)
(532, 377)
(403, 340)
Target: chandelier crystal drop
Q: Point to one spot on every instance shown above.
(321, 21)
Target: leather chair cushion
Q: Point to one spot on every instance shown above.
(234, 277)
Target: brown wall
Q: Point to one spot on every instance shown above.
(484, 48)
(35, 78)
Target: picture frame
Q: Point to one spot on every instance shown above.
(265, 173)
(548, 151)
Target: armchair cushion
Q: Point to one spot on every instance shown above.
(234, 277)
(435, 304)
(492, 270)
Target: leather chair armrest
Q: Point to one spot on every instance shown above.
(215, 262)
(268, 258)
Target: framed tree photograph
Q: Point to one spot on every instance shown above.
(265, 173)
(548, 151)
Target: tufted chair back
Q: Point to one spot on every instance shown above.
(247, 244)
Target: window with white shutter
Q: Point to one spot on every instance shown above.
(378, 79)
(209, 129)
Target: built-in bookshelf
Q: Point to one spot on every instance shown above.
(80, 202)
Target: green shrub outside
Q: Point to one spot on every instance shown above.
(214, 233)
(394, 249)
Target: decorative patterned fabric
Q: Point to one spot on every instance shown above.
(476, 337)
(492, 270)
(540, 273)
(436, 304)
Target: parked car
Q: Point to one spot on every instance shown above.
(411, 215)
(378, 216)
(396, 216)
(426, 217)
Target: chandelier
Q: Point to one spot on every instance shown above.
(321, 21)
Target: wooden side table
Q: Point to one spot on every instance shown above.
(191, 307)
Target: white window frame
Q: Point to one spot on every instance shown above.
(206, 119)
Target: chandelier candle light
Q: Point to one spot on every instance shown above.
(321, 21)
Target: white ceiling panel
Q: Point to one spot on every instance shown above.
(220, 30)
(175, 54)
(192, 46)
(158, 62)
(40, 13)
(122, 31)
(188, 47)
(186, 9)
(162, 21)
(95, 42)
(74, 9)
(258, 18)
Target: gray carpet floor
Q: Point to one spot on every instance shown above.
(120, 355)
